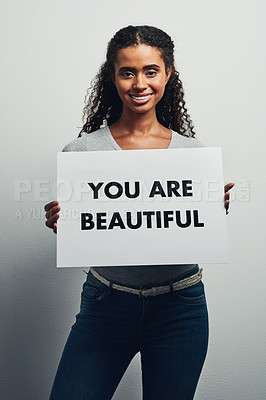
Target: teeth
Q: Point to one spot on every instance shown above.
(141, 97)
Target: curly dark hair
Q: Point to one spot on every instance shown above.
(102, 102)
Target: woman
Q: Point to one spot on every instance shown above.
(138, 98)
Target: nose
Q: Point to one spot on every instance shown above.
(140, 82)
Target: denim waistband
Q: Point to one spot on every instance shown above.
(190, 280)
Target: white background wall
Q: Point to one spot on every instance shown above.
(50, 50)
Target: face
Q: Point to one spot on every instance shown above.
(140, 77)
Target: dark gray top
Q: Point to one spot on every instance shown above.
(102, 139)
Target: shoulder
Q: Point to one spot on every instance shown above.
(93, 141)
(184, 141)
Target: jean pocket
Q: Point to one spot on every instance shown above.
(191, 295)
(93, 291)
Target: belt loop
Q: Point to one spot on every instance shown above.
(110, 287)
(171, 286)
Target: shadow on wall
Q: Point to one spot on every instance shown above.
(40, 306)
(130, 386)
(35, 321)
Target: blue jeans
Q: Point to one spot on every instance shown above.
(169, 330)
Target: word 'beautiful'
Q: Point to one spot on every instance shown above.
(151, 219)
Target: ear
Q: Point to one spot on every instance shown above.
(168, 74)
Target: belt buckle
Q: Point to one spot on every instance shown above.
(152, 290)
(141, 292)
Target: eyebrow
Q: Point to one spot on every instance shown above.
(134, 69)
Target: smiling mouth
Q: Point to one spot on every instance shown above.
(140, 99)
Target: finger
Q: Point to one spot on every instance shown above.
(48, 206)
(226, 204)
(50, 222)
(55, 228)
(51, 212)
(228, 186)
(227, 196)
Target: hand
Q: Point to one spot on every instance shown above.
(52, 214)
(227, 195)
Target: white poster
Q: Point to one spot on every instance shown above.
(141, 207)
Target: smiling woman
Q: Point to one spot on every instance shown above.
(143, 56)
(140, 78)
(136, 102)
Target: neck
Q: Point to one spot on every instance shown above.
(142, 123)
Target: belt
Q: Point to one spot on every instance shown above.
(182, 284)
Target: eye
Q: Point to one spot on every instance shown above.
(151, 73)
(127, 74)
